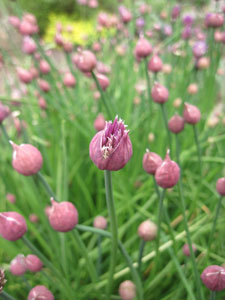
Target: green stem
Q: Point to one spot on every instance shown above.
(219, 204)
(160, 210)
(84, 253)
(114, 230)
(177, 149)
(99, 262)
(148, 81)
(213, 295)
(5, 133)
(141, 251)
(6, 296)
(102, 95)
(165, 119)
(46, 186)
(198, 148)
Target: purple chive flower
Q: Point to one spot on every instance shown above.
(111, 148)
(12, 225)
(18, 265)
(186, 33)
(175, 11)
(140, 23)
(188, 20)
(199, 49)
(213, 278)
(167, 30)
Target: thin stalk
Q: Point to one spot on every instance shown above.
(104, 100)
(5, 132)
(177, 149)
(99, 261)
(165, 119)
(160, 210)
(148, 82)
(114, 230)
(84, 253)
(194, 265)
(219, 204)
(141, 251)
(6, 296)
(213, 295)
(46, 186)
(198, 148)
(156, 187)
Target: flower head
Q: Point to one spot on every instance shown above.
(12, 225)
(213, 278)
(40, 292)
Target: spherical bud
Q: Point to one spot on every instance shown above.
(40, 292)
(34, 72)
(11, 198)
(125, 14)
(168, 174)
(159, 93)
(127, 290)
(143, 48)
(26, 28)
(14, 21)
(199, 49)
(186, 249)
(176, 11)
(93, 3)
(18, 265)
(111, 148)
(59, 39)
(33, 263)
(140, 23)
(147, 230)
(27, 160)
(99, 123)
(151, 162)
(103, 81)
(68, 47)
(155, 64)
(151, 137)
(220, 186)
(86, 61)
(63, 216)
(186, 33)
(42, 103)
(192, 88)
(102, 68)
(33, 218)
(176, 124)
(188, 20)
(100, 222)
(191, 114)
(213, 278)
(203, 63)
(12, 225)
(177, 102)
(218, 36)
(167, 30)
(69, 80)
(4, 112)
(44, 85)
(214, 20)
(29, 46)
(96, 47)
(44, 67)
(167, 68)
(24, 75)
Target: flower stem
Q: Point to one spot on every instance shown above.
(219, 204)
(177, 149)
(83, 250)
(5, 133)
(160, 210)
(148, 81)
(141, 251)
(99, 262)
(102, 95)
(46, 186)
(114, 230)
(165, 119)
(6, 296)
(213, 295)
(198, 147)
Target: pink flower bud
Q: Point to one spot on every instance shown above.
(86, 61)
(44, 67)
(63, 216)
(99, 123)
(220, 186)
(68, 47)
(33, 218)
(151, 162)
(191, 113)
(103, 81)
(96, 47)
(18, 265)
(143, 48)
(127, 290)
(12, 225)
(44, 85)
(176, 124)
(4, 112)
(42, 103)
(27, 160)
(69, 80)
(186, 249)
(40, 292)
(111, 148)
(29, 46)
(168, 174)
(24, 75)
(100, 222)
(155, 64)
(11, 198)
(192, 88)
(125, 14)
(14, 21)
(213, 278)
(203, 63)
(159, 93)
(26, 28)
(214, 20)
(33, 263)
(34, 72)
(59, 39)
(147, 230)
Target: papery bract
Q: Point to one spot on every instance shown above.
(151, 162)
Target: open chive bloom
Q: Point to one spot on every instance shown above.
(111, 148)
